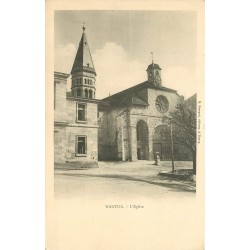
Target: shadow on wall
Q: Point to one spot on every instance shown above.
(107, 153)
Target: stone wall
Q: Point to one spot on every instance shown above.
(60, 100)
(108, 134)
(60, 82)
(92, 149)
(117, 133)
(59, 144)
(71, 112)
(117, 127)
(66, 128)
(123, 147)
(173, 99)
(151, 116)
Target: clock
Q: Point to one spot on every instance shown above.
(162, 104)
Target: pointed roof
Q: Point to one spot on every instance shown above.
(83, 59)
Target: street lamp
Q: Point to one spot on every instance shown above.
(172, 146)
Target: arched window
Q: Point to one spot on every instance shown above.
(86, 93)
(90, 93)
(90, 81)
(78, 92)
(85, 81)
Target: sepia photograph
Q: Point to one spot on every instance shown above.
(125, 126)
(125, 101)
(112, 150)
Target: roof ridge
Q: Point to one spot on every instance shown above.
(149, 85)
(125, 90)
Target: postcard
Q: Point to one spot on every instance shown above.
(124, 125)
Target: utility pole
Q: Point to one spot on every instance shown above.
(172, 146)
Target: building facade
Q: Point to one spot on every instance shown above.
(75, 112)
(132, 123)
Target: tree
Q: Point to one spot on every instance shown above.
(183, 120)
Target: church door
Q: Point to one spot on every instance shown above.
(142, 140)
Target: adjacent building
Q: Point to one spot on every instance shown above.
(75, 112)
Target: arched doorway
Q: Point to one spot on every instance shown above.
(162, 142)
(142, 140)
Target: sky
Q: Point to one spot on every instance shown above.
(121, 43)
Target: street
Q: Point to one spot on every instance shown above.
(121, 180)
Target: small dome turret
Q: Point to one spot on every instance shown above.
(154, 73)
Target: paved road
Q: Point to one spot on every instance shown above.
(120, 180)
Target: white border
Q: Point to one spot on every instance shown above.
(227, 125)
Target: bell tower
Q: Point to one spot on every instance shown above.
(154, 73)
(83, 71)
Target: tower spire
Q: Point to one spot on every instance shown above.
(83, 71)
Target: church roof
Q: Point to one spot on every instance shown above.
(60, 75)
(130, 97)
(153, 66)
(83, 59)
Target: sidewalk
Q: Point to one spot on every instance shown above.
(141, 171)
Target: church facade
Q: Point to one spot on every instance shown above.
(75, 111)
(132, 123)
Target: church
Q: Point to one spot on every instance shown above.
(132, 122)
(126, 126)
